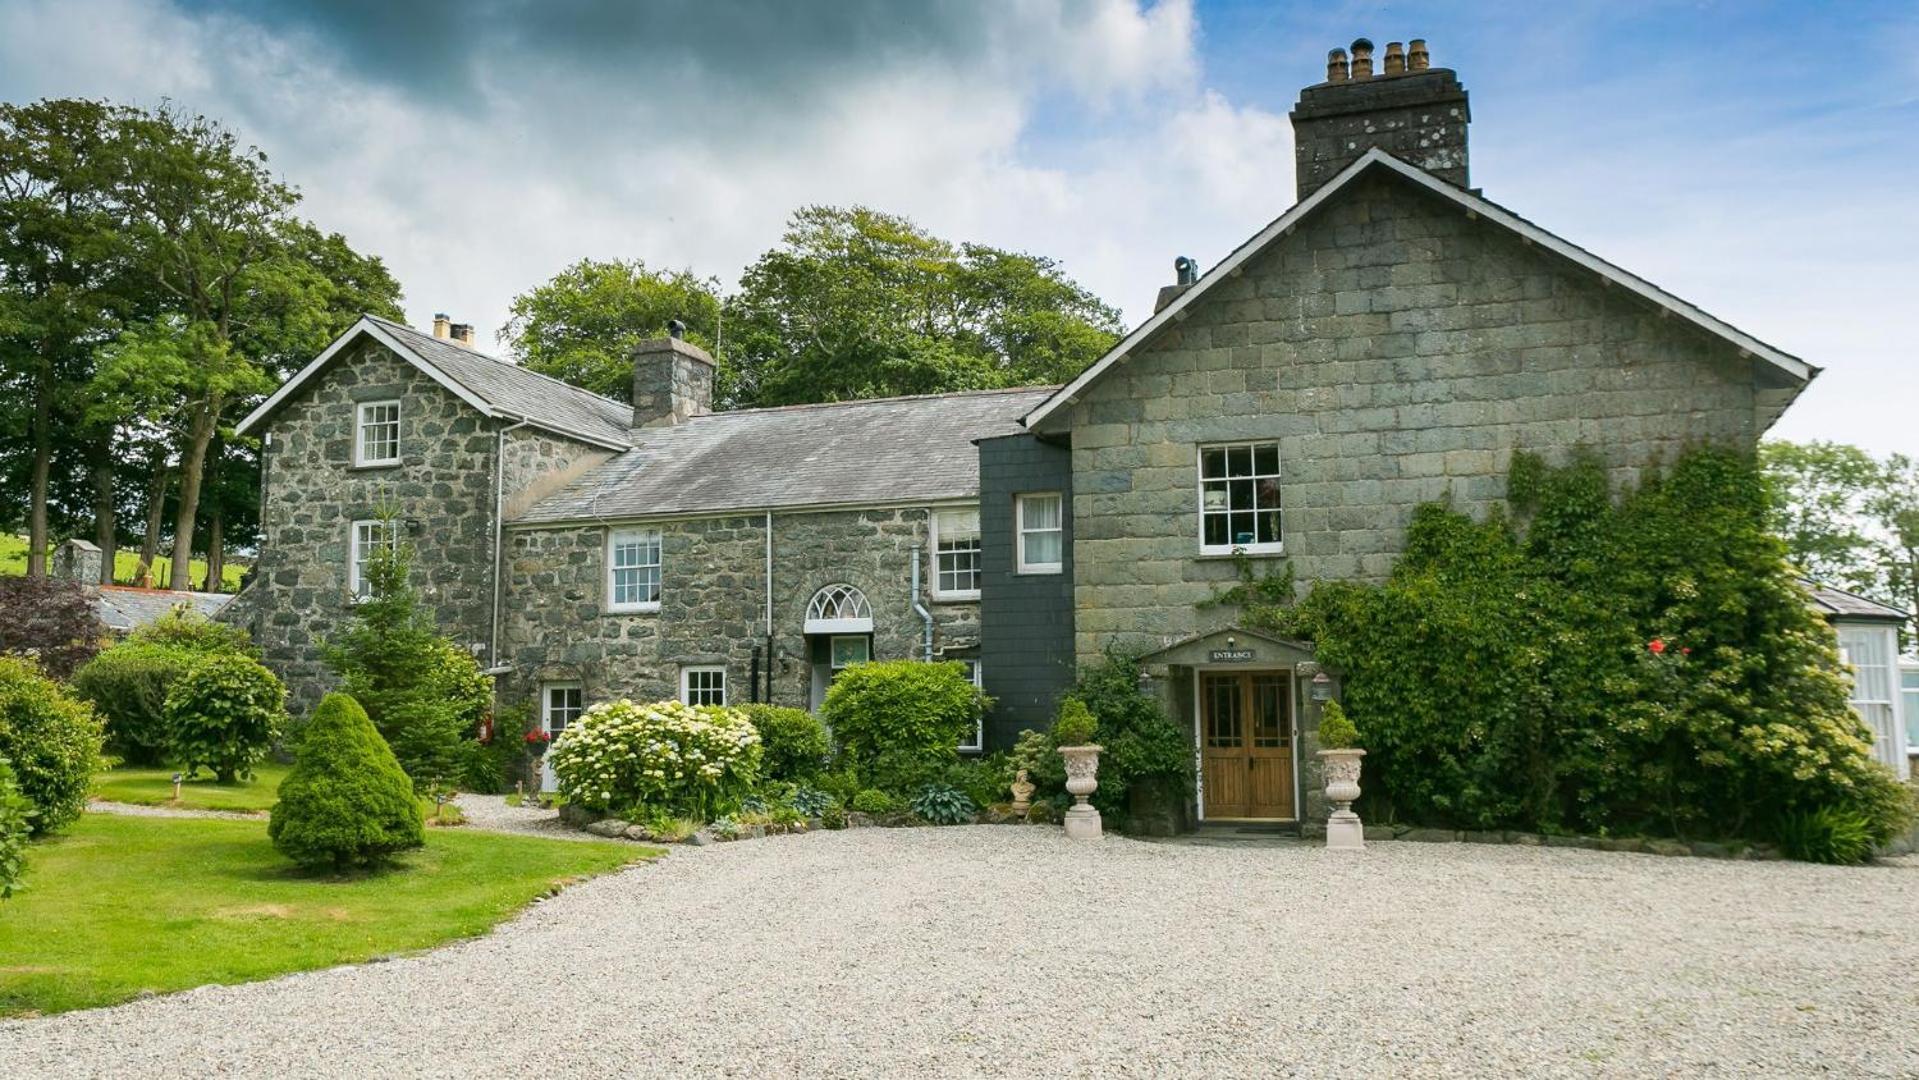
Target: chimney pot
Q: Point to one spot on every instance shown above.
(463, 333)
(441, 325)
(1336, 70)
(1417, 59)
(675, 329)
(1362, 59)
(1395, 58)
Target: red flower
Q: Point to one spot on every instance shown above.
(538, 735)
(1657, 646)
(1685, 650)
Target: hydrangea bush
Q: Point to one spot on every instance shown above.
(666, 756)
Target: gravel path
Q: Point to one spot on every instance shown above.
(492, 813)
(108, 806)
(1002, 951)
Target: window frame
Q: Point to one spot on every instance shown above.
(1864, 707)
(934, 552)
(1272, 547)
(360, 426)
(978, 745)
(687, 671)
(1020, 563)
(390, 535)
(546, 704)
(610, 581)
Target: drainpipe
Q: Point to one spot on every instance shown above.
(499, 542)
(919, 608)
(768, 696)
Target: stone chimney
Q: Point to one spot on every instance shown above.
(1185, 276)
(1411, 110)
(442, 325)
(672, 379)
(463, 333)
(77, 560)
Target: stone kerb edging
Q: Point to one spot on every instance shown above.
(1738, 850)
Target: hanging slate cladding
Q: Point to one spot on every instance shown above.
(1026, 620)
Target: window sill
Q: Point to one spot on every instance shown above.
(632, 609)
(956, 597)
(358, 465)
(1264, 551)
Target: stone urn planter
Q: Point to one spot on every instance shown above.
(1022, 793)
(1082, 779)
(1344, 832)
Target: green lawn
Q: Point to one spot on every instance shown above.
(154, 787)
(121, 905)
(126, 565)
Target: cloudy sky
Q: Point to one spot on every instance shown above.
(1755, 158)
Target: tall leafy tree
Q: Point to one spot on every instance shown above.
(857, 303)
(1849, 518)
(61, 251)
(581, 326)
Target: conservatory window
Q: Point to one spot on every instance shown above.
(1239, 498)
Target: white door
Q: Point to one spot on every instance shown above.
(559, 706)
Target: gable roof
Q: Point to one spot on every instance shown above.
(493, 387)
(1790, 366)
(124, 607)
(885, 451)
(1835, 603)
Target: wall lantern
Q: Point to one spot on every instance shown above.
(1322, 687)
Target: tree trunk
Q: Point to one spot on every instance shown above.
(156, 508)
(216, 556)
(106, 518)
(193, 464)
(42, 468)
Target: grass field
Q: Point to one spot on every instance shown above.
(122, 905)
(154, 787)
(126, 565)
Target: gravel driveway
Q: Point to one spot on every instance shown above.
(1012, 951)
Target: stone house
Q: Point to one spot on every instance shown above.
(1390, 339)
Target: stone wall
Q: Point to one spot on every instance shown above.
(712, 602)
(442, 488)
(1399, 352)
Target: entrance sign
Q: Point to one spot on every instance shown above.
(1230, 656)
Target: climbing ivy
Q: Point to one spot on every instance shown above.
(1645, 664)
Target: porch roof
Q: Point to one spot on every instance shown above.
(1199, 649)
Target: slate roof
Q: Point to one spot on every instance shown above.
(1840, 604)
(493, 386)
(888, 450)
(123, 607)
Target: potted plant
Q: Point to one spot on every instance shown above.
(1073, 734)
(1339, 755)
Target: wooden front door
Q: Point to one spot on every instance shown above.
(1246, 744)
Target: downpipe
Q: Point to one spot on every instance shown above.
(926, 617)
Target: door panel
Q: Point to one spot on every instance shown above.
(1246, 744)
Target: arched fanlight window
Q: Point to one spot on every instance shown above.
(839, 609)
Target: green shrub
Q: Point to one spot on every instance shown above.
(984, 780)
(874, 801)
(809, 802)
(1141, 744)
(1506, 674)
(1075, 725)
(842, 784)
(346, 802)
(689, 761)
(127, 686)
(943, 805)
(186, 629)
(1336, 731)
(16, 825)
(51, 739)
(1827, 835)
(832, 818)
(393, 662)
(912, 712)
(793, 742)
(224, 713)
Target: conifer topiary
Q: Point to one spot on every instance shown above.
(347, 801)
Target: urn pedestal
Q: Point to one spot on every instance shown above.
(1344, 831)
(1082, 772)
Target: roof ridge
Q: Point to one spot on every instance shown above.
(515, 365)
(1049, 387)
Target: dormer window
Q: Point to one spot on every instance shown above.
(376, 433)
